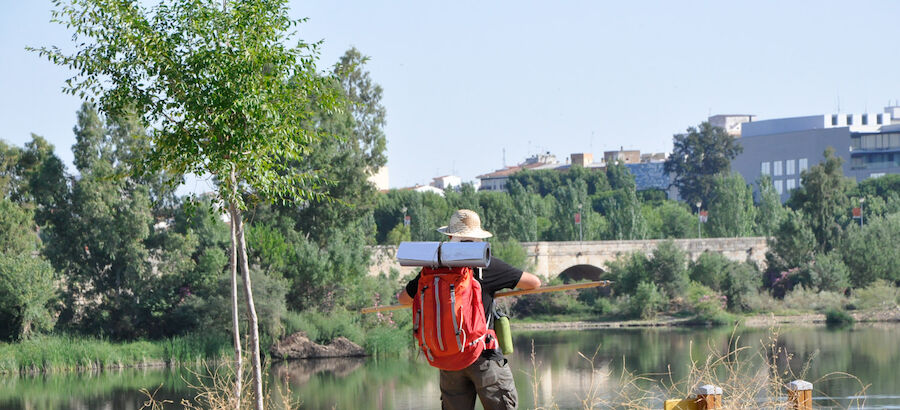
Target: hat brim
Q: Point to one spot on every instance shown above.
(470, 233)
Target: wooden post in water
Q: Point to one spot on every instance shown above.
(800, 395)
(709, 397)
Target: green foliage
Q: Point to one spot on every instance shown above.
(26, 292)
(827, 273)
(669, 220)
(697, 157)
(17, 233)
(709, 270)
(837, 317)
(704, 302)
(871, 252)
(400, 233)
(511, 252)
(226, 91)
(66, 353)
(822, 198)
(804, 299)
(793, 244)
(646, 302)
(770, 212)
(731, 210)
(668, 268)
(621, 206)
(741, 282)
(879, 294)
(628, 271)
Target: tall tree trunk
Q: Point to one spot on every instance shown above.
(251, 313)
(238, 363)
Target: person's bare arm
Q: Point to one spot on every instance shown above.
(527, 281)
(404, 298)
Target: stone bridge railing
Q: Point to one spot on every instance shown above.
(548, 259)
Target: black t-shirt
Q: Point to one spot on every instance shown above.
(497, 276)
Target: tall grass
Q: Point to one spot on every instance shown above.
(70, 353)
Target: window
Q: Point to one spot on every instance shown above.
(790, 184)
(895, 140)
(777, 168)
(789, 167)
(865, 119)
(803, 165)
(834, 119)
(779, 187)
(764, 169)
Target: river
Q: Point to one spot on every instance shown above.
(557, 377)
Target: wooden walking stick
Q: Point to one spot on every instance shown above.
(557, 288)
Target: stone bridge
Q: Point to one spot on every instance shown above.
(549, 259)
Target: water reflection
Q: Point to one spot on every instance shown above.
(563, 376)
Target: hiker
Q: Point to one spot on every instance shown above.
(489, 375)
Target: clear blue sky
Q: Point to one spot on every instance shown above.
(465, 80)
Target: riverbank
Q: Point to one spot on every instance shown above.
(754, 321)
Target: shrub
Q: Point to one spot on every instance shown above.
(880, 294)
(760, 302)
(511, 252)
(804, 299)
(628, 271)
(709, 269)
(26, 289)
(668, 267)
(646, 302)
(741, 281)
(826, 272)
(837, 317)
(868, 253)
(704, 301)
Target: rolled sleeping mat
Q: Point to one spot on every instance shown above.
(446, 254)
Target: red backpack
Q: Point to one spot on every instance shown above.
(448, 317)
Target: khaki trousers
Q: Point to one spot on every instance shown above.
(491, 380)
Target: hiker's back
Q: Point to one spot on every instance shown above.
(448, 317)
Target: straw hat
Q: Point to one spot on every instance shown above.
(465, 223)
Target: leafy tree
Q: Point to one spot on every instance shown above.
(620, 205)
(26, 291)
(871, 252)
(669, 220)
(741, 282)
(9, 157)
(227, 97)
(531, 213)
(709, 270)
(769, 211)
(792, 245)
(628, 271)
(827, 273)
(17, 233)
(400, 233)
(568, 198)
(697, 157)
(731, 210)
(647, 301)
(822, 199)
(544, 182)
(668, 268)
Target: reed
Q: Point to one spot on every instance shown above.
(64, 353)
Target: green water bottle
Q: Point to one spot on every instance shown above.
(504, 336)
